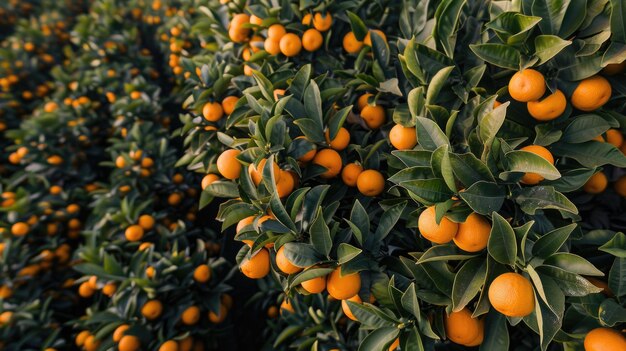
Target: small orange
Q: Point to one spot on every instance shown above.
(286, 183)
(596, 184)
(440, 233)
(604, 339)
(256, 20)
(236, 31)
(322, 22)
(209, 179)
(591, 93)
(512, 295)
(370, 183)
(174, 199)
(286, 306)
(620, 186)
(217, 318)
(228, 165)
(330, 159)
(374, 116)
(312, 40)
(290, 45)
(284, 264)
(146, 222)
(91, 343)
(346, 308)
(343, 287)
(81, 337)
(191, 315)
(170, 345)
(272, 312)
(350, 174)
(257, 266)
(119, 332)
(228, 104)
(276, 31)
(549, 108)
(307, 19)
(362, 101)
(368, 37)
(202, 273)
(534, 178)
(152, 309)
(315, 285)
(278, 93)
(394, 345)
(5, 317)
(351, 44)
(614, 137)
(134, 233)
(212, 111)
(462, 329)
(473, 234)
(527, 85)
(310, 154)
(257, 173)
(20, 229)
(243, 223)
(403, 138)
(129, 343)
(109, 289)
(341, 140)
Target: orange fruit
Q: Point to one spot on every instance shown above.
(257, 266)
(209, 179)
(473, 234)
(185, 344)
(440, 233)
(368, 37)
(150, 272)
(129, 343)
(290, 45)
(462, 329)
(152, 309)
(55, 160)
(237, 32)
(284, 264)
(256, 20)
(315, 285)
(134, 233)
(309, 155)
(341, 141)
(343, 287)
(278, 93)
(220, 316)
(119, 332)
(50, 106)
(351, 44)
(549, 108)
(257, 173)
(228, 165)
(212, 111)
(85, 290)
(202, 273)
(620, 186)
(330, 159)
(307, 19)
(170, 345)
(272, 312)
(512, 295)
(374, 116)
(350, 173)
(591, 93)
(394, 345)
(244, 222)
(109, 289)
(614, 137)
(5, 317)
(534, 178)
(81, 337)
(228, 104)
(174, 199)
(596, 184)
(362, 101)
(322, 22)
(403, 138)
(227, 301)
(286, 306)
(346, 308)
(146, 222)
(276, 31)
(312, 40)
(370, 183)
(527, 85)
(20, 229)
(604, 339)
(91, 343)
(286, 183)
(191, 315)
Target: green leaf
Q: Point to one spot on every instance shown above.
(496, 332)
(617, 277)
(429, 134)
(523, 161)
(346, 252)
(313, 104)
(446, 252)
(498, 55)
(437, 83)
(572, 263)
(467, 282)
(584, 128)
(468, 169)
(618, 27)
(484, 197)
(416, 102)
(428, 191)
(513, 27)
(611, 313)
(302, 255)
(591, 154)
(535, 198)
(446, 21)
(379, 339)
(502, 244)
(551, 242)
(548, 46)
(442, 167)
(616, 246)
(571, 284)
(309, 274)
(320, 234)
(358, 27)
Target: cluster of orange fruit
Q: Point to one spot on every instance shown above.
(142, 164)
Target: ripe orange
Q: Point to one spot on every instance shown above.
(81, 337)
(374, 116)
(351, 44)
(5, 317)
(212, 111)
(473, 234)
(614, 137)
(129, 343)
(257, 173)
(228, 104)
(362, 101)
(272, 312)
(91, 343)
(191, 315)
(440, 233)
(276, 31)
(152, 309)
(343, 287)
(403, 138)
(278, 93)
(228, 165)
(527, 85)
(286, 306)
(220, 316)
(284, 264)
(109, 289)
(322, 22)
(330, 159)
(20, 229)
(134, 233)
(146, 222)
(174, 199)
(257, 266)
(596, 184)
(286, 183)
(551, 107)
(370, 183)
(119, 332)
(309, 155)
(312, 40)
(170, 345)
(462, 329)
(290, 45)
(55, 160)
(512, 295)
(237, 32)
(185, 344)
(272, 46)
(620, 186)
(85, 290)
(394, 345)
(341, 141)
(534, 178)
(202, 273)
(591, 93)
(209, 179)
(346, 308)
(244, 222)
(368, 37)
(315, 285)
(350, 173)
(604, 339)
